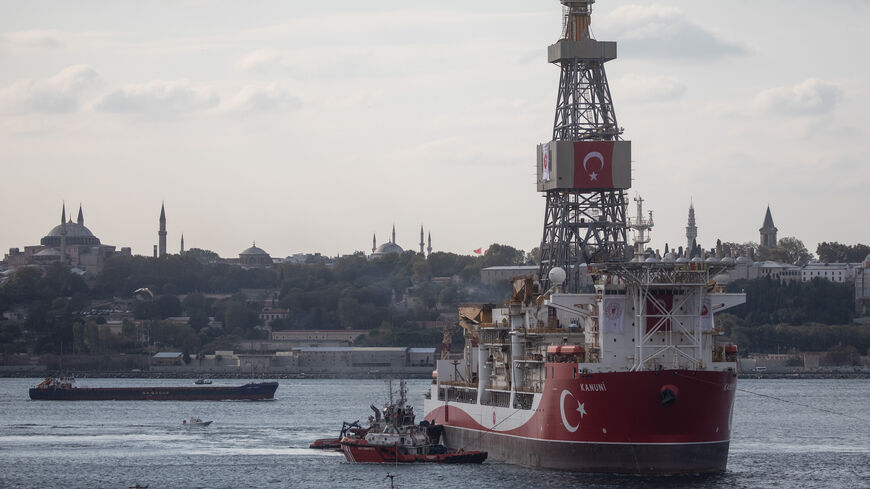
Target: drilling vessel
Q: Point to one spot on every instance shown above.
(609, 359)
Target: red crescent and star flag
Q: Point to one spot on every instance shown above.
(593, 164)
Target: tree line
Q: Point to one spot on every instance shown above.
(389, 296)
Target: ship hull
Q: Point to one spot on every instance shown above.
(360, 451)
(253, 392)
(622, 458)
(664, 422)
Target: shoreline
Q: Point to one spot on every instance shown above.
(97, 374)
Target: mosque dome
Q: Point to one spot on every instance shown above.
(76, 235)
(253, 250)
(388, 249)
(255, 257)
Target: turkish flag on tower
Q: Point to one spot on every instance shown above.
(479, 251)
(593, 164)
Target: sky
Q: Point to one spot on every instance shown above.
(310, 126)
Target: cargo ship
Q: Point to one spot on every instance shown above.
(64, 389)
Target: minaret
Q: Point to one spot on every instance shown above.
(691, 230)
(768, 231)
(421, 239)
(429, 249)
(394, 234)
(182, 244)
(63, 234)
(374, 242)
(81, 219)
(161, 251)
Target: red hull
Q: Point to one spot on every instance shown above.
(359, 451)
(609, 422)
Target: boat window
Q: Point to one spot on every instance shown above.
(574, 374)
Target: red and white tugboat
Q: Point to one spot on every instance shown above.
(396, 438)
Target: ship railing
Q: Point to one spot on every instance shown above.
(457, 383)
(493, 326)
(523, 400)
(534, 358)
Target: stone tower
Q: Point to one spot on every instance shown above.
(691, 230)
(161, 234)
(429, 248)
(421, 240)
(768, 232)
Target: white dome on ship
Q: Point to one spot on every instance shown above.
(743, 260)
(669, 257)
(712, 259)
(557, 275)
(697, 259)
(682, 259)
(728, 260)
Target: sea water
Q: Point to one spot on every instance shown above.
(787, 433)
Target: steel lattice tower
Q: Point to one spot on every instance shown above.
(581, 225)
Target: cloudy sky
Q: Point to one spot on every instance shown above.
(309, 126)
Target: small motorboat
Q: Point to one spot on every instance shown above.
(195, 422)
(202, 381)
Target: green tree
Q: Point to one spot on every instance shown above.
(835, 252)
(235, 316)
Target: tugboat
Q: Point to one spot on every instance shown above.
(396, 438)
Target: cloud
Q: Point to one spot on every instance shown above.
(160, 97)
(39, 39)
(659, 31)
(262, 60)
(61, 93)
(266, 98)
(649, 88)
(810, 97)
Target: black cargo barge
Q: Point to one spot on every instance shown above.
(63, 390)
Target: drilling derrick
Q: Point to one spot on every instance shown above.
(586, 168)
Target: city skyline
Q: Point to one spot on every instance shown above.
(307, 128)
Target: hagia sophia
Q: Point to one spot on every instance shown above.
(70, 242)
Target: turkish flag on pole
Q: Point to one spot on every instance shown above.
(593, 164)
(479, 251)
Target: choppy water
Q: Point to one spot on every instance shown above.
(111, 444)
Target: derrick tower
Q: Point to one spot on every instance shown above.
(586, 167)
